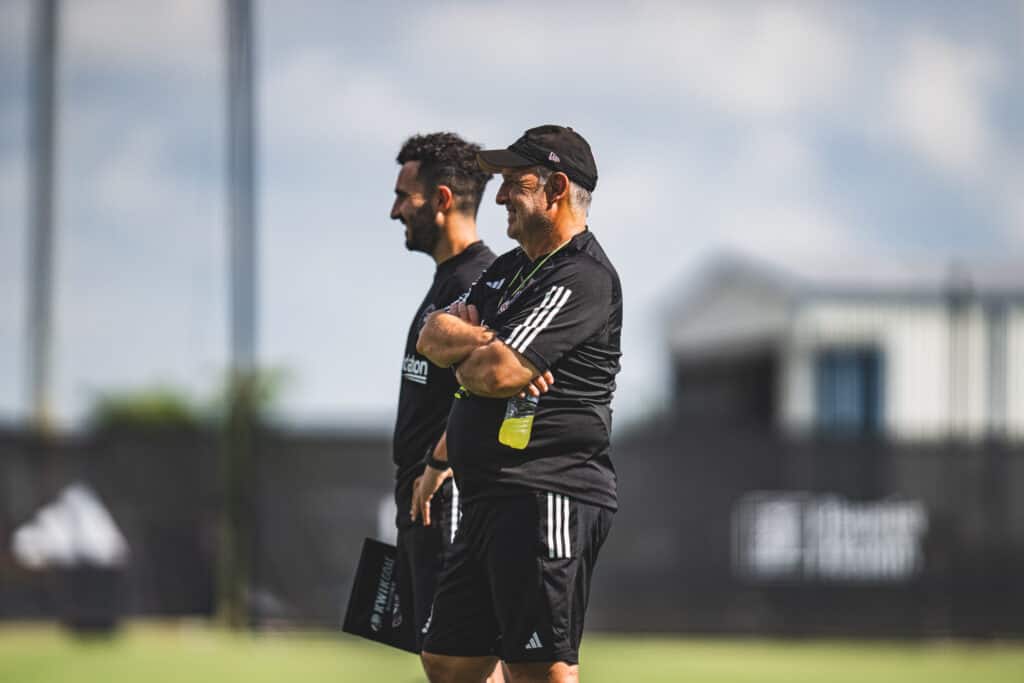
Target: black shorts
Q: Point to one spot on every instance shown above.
(420, 557)
(517, 579)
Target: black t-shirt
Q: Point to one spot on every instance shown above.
(567, 318)
(428, 390)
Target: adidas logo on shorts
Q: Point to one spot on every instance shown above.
(534, 643)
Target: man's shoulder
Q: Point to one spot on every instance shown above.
(514, 255)
(592, 253)
(586, 268)
(480, 259)
(469, 270)
(503, 266)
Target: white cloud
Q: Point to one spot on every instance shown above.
(13, 197)
(740, 59)
(139, 261)
(767, 60)
(130, 185)
(312, 98)
(769, 195)
(939, 96)
(774, 203)
(15, 25)
(1013, 194)
(170, 36)
(744, 100)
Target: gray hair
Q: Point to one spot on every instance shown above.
(579, 197)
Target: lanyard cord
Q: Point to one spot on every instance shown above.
(527, 278)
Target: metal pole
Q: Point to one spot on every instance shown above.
(242, 184)
(238, 456)
(42, 129)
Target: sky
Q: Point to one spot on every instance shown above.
(793, 133)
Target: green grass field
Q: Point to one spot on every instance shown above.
(149, 653)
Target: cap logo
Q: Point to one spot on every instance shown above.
(553, 157)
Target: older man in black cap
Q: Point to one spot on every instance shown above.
(535, 347)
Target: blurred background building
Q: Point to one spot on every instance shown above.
(815, 211)
(923, 352)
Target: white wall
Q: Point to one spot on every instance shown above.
(926, 394)
(1015, 373)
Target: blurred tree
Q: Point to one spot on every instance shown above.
(165, 406)
(237, 411)
(246, 397)
(149, 407)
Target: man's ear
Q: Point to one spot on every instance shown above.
(557, 187)
(444, 198)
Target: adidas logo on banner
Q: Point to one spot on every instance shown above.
(534, 642)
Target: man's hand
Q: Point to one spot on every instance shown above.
(465, 312)
(539, 385)
(427, 484)
(423, 490)
(469, 314)
(449, 336)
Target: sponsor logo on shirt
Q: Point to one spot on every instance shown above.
(415, 369)
(508, 302)
(496, 284)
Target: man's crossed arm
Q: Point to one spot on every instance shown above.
(483, 363)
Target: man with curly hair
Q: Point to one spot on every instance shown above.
(437, 193)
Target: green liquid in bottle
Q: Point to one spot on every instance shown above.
(518, 423)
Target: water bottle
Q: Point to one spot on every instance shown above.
(518, 423)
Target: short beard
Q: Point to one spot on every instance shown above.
(536, 227)
(423, 231)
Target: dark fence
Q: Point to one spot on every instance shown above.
(717, 532)
(161, 489)
(853, 537)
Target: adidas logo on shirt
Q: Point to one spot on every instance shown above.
(534, 643)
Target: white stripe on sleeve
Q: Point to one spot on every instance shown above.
(524, 328)
(545, 319)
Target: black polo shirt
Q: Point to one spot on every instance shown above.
(567, 318)
(427, 390)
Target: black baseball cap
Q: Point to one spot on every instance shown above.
(559, 148)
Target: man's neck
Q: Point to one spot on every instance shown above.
(458, 233)
(551, 240)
